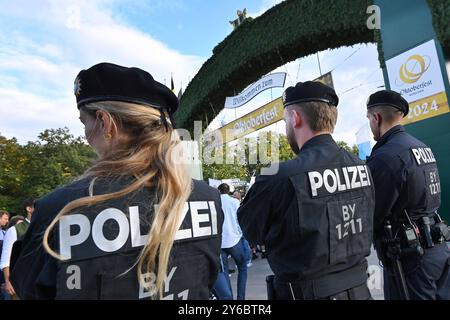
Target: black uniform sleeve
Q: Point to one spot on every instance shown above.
(212, 250)
(387, 190)
(255, 211)
(33, 257)
(34, 274)
(216, 264)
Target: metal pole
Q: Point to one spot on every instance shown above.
(318, 61)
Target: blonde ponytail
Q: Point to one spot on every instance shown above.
(152, 156)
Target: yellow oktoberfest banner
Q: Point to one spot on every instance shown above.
(262, 117)
(426, 108)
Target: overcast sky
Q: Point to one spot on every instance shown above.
(45, 43)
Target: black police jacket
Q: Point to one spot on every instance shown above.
(405, 176)
(102, 243)
(314, 215)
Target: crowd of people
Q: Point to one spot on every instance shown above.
(135, 225)
(12, 229)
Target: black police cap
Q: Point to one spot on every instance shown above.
(111, 82)
(310, 91)
(388, 98)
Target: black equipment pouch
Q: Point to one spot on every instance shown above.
(270, 288)
(410, 244)
(410, 239)
(426, 232)
(440, 231)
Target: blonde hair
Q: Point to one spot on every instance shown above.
(151, 154)
(320, 116)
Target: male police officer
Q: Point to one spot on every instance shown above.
(408, 193)
(315, 214)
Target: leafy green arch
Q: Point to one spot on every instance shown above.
(291, 29)
(440, 10)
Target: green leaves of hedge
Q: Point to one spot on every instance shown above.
(292, 29)
(440, 9)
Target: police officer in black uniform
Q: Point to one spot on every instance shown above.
(408, 195)
(107, 235)
(314, 215)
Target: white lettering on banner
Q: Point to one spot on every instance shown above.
(423, 155)
(354, 177)
(74, 280)
(269, 81)
(254, 122)
(203, 216)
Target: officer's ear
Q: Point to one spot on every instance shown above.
(297, 118)
(106, 123)
(378, 118)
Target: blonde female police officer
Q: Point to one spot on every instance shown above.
(315, 214)
(135, 225)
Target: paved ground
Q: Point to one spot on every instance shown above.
(256, 284)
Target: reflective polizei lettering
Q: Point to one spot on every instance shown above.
(333, 180)
(202, 221)
(423, 155)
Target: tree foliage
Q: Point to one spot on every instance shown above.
(344, 145)
(247, 156)
(38, 167)
(287, 31)
(441, 20)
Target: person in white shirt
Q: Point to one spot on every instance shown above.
(247, 249)
(4, 219)
(232, 244)
(11, 236)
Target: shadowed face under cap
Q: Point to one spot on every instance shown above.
(310, 91)
(388, 98)
(111, 82)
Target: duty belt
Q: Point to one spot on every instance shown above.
(433, 230)
(327, 285)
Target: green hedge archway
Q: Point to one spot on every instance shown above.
(289, 30)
